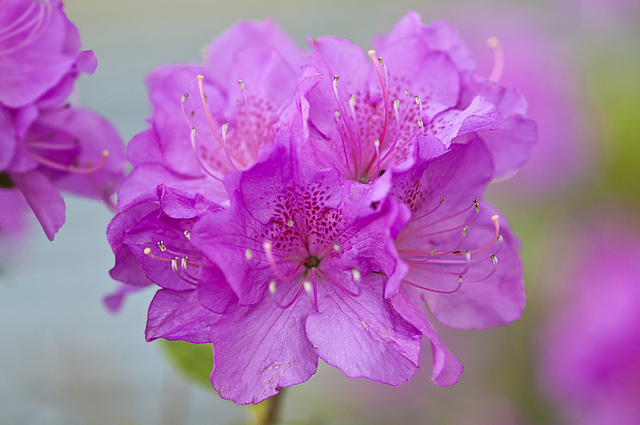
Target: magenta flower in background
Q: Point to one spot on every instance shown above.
(46, 145)
(540, 64)
(591, 348)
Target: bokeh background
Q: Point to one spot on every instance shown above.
(65, 360)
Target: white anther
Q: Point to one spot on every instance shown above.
(308, 287)
(356, 275)
(248, 254)
(272, 286)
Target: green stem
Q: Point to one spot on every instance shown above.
(269, 411)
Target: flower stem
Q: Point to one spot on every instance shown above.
(269, 410)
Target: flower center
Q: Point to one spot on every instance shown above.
(312, 262)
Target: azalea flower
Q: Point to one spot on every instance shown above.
(591, 344)
(454, 252)
(211, 118)
(314, 227)
(417, 110)
(206, 121)
(46, 145)
(365, 115)
(300, 249)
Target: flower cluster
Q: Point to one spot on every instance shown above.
(45, 143)
(298, 205)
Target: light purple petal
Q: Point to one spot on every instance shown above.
(484, 302)
(31, 70)
(127, 268)
(43, 198)
(446, 367)
(363, 336)
(94, 136)
(179, 316)
(214, 293)
(480, 115)
(8, 139)
(260, 348)
(143, 181)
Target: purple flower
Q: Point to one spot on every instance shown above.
(237, 101)
(239, 98)
(448, 247)
(364, 116)
(325, 242)
(302, 250)
(591, 347)
(45, 144)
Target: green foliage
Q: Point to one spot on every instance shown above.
(193, 361)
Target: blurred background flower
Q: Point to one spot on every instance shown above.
(65, 360)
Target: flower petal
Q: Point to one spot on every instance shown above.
(363, 336)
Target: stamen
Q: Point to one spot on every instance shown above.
(272, 286)
(356, 275)
(496, 237)
(210, 121)
(195, 153)
(174, 268)
(70, 168)
(185, 264)
(498, 59)
(162, 246)
(457, 288)
(429, 212)
(248, 254)
(308, 287)
(336, 284)
(187, 234)
(385, 92)
(315, 287)
(494, 259)
(340, 119)
(418, 235)
(268, 248)
(147, 251)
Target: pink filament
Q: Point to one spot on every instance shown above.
(68, 168)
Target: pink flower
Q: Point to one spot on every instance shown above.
(45, 144)
(591, 347)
